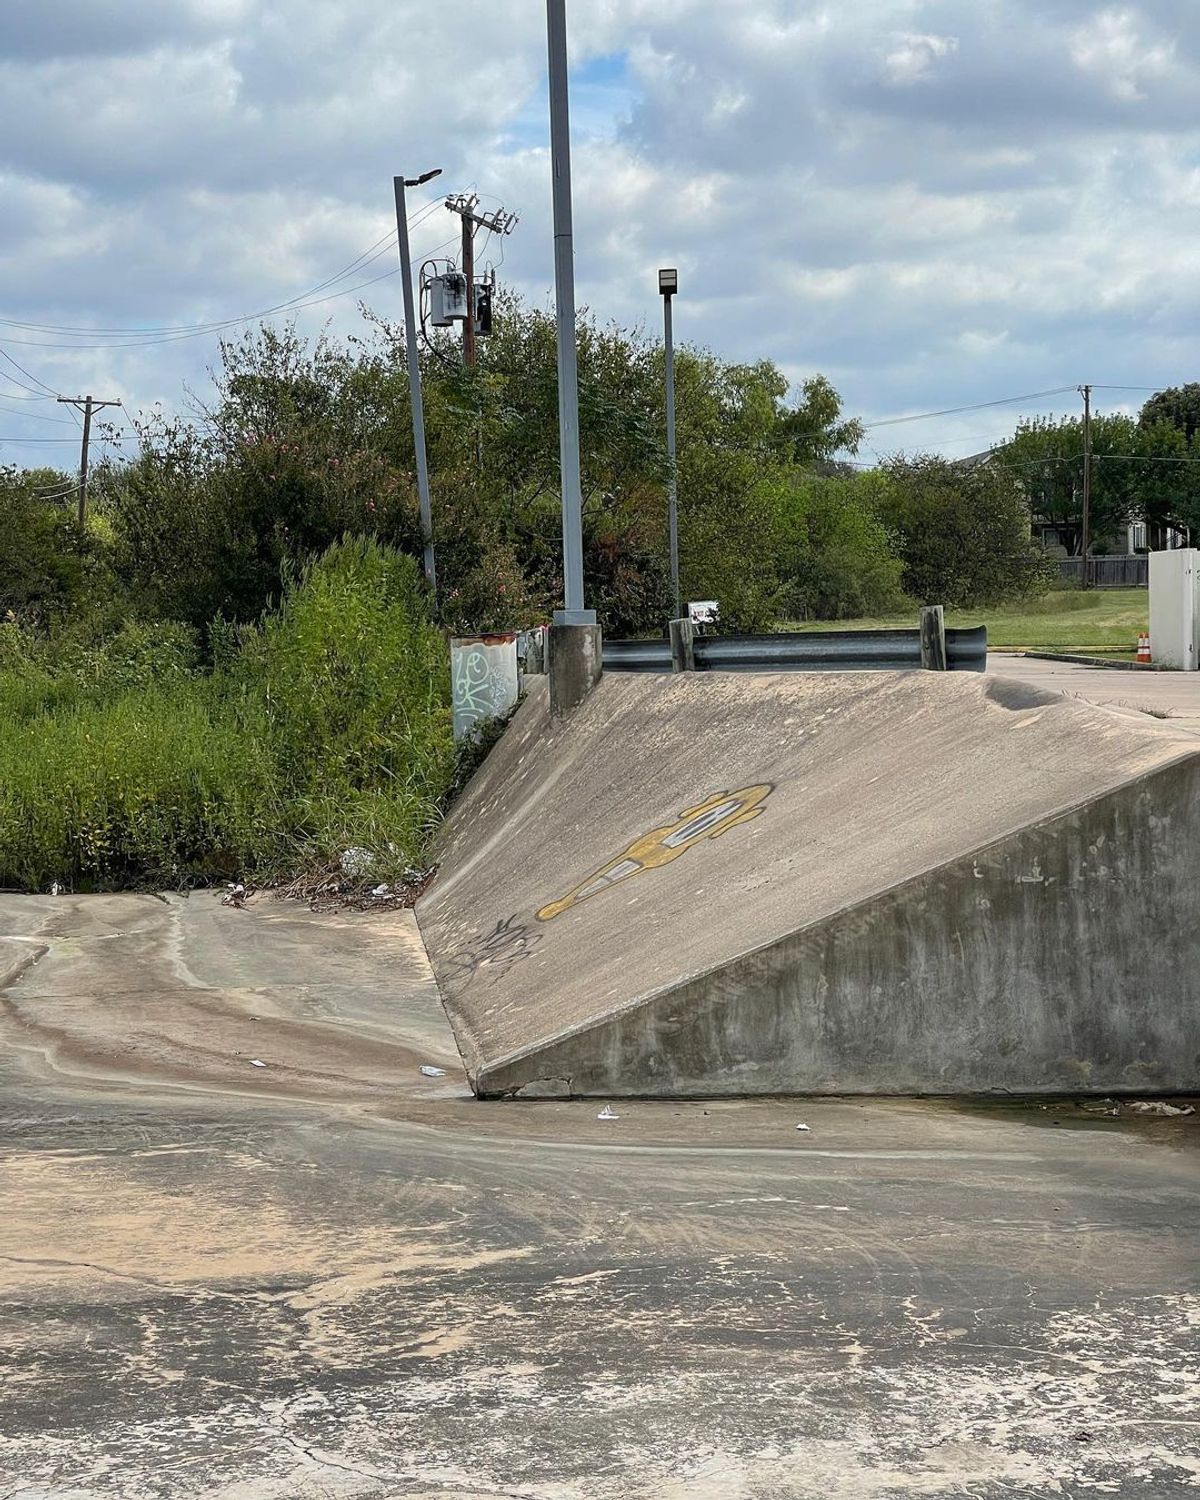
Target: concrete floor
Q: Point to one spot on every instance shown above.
(1173, 695)
(334, 1277)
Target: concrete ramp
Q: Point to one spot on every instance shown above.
(828, 883)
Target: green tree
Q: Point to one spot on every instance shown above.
(1139, 469)
(962, 533)
(1045, 457)
(836, 554)
(815, 429)
(301, 445)
(1178, 406)
(46, 560)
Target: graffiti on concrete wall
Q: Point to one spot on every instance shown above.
(707, 820)
(483, 676)
(509, 943)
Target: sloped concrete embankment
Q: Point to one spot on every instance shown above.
(875, 883)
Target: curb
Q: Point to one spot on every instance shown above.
(1094, 661)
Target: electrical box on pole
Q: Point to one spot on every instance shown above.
(483, 309)
(447, 299)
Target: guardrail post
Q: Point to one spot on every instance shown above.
(683, 650)
(933, 638)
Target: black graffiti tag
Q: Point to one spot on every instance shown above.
(495, 953)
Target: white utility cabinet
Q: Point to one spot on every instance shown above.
(1174, 624)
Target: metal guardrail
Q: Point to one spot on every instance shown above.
(804, 651)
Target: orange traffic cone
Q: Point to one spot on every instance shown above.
(1143, 651)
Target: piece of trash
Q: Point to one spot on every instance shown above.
(1160, 1107)
(257, 1062)
(803, 1127)
(235, 895)
(607, 1113)
(357, 861)
(55, 888)
(431, 1072)
(382, 890)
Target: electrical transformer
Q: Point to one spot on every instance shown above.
(447, 299)
(483, 309)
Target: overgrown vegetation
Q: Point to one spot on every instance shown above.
(235, 668)
(323, 728)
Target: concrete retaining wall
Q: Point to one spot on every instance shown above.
(1066, 958)
(877, 883)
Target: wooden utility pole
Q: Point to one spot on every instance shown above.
(1086, 392)
(87, 405)
(464, 205)
(468, 265)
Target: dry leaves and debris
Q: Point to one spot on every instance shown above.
(1116, 1107)
(334, 890)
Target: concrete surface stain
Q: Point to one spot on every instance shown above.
(347, 1282)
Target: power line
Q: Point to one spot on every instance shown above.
(953, 411)
(35, 416)
(175, 338)
(132, 338)
(1140, 458)
(36, 382)
(4, 395)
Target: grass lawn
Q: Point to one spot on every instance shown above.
(1105, 620)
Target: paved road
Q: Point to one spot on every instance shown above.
(334, 1277)
(1173, 695)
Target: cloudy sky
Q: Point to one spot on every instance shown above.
(937, 203)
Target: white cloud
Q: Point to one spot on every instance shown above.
(913, 57)
(995, 200)
(1111, 48)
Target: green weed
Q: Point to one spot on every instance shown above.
(326, 727)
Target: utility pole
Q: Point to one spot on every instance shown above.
(468, 265)
(668, 285)
(414, 371)
(1086, 392)
(573, 612)
(500, 222)
(87, 405)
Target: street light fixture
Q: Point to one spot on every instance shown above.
(414, 370)
(668, 285)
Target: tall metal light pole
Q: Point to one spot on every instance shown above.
(414, 370)
(668, 285)
(1084, 538)
(573, 612)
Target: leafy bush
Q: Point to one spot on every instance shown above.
(354, 684)
(328, 727)
(962, 533)
(837, 557)
(46, 560)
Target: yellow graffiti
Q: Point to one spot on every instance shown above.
(707, 820)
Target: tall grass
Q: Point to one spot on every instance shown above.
(325, 727)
